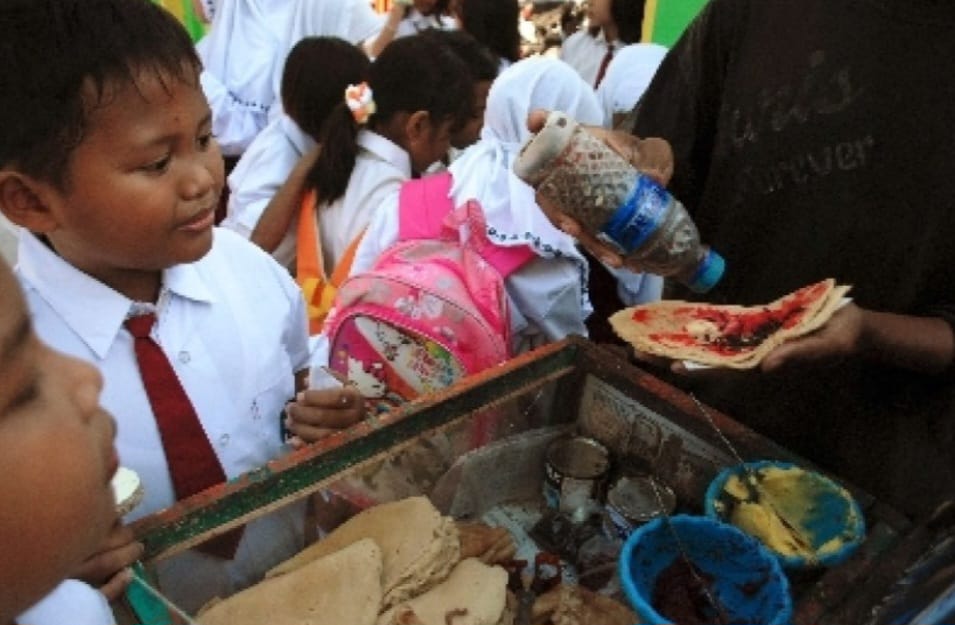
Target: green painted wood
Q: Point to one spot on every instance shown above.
(672, 18)
(300, 473)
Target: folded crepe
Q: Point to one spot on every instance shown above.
(419, 547)
(737, 337)
(575, 605)
(473, 594)
(344, 587)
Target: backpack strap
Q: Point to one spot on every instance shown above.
(426, 211)
(423, 205)
(317, 288)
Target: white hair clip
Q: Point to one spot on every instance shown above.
(360, 101)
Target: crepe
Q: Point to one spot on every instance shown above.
(127, 490)
(728, 336)
(419, 547)
(474, 594)
(490, 545)
(344, 587)
(575, 605)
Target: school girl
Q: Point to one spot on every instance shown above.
(382, 133)
(244, 51)
(273, 168)
(549, 294)
(612, 25)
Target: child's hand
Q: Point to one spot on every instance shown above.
(317, 413)
(108, 569)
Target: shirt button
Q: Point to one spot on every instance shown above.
(224, 440)
(184, 357)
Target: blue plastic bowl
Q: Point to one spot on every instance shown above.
(746, 580)
(829, 517)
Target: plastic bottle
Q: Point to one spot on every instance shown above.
(621, 206)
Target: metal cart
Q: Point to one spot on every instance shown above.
(573, 384)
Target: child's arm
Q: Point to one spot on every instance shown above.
(278, 215)
(387, 33)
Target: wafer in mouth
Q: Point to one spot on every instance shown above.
(127, 490)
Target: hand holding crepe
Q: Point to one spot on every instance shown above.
(738, 337)
(474, 594)
(418, 546)
(344, 587)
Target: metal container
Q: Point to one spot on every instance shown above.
(575, 470)
(634, 500)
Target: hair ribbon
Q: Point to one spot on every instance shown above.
(361, 102)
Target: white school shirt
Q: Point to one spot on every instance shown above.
(380, 168)
(584, 53)
(8, 240)
(416, 22)
(233, 325)
(259, 174)
(628, 76)
(71, 602)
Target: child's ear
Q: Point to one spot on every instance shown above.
(417, 126)
(21, 201)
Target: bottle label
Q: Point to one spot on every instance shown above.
(639, 216)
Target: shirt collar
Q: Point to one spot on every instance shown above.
(386, 150)
(601, 38)
(93, 310)
(302, 141)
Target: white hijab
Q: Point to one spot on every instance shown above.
(484, 170)
(241, 50)
(628, 76)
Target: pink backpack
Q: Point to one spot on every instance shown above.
(433, 307)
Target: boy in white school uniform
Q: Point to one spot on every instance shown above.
(114, 174)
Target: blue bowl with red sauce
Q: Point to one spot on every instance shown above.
(733, 575)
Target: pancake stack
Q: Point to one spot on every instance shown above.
(419, 547)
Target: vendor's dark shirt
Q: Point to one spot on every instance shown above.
(816, 139)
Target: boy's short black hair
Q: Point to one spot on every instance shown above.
(479, 59)
(53, 51)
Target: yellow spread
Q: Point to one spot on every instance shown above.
(775, 506)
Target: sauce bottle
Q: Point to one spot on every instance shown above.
(616, 203)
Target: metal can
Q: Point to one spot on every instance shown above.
(634, 500)
(574, 473)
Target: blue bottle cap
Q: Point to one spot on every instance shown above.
(708, 273)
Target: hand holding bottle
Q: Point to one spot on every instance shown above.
(605, 188)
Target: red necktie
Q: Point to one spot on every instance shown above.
(604, 62)
(193, 465)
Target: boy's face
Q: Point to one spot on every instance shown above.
(143, 184)
(56, 459)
